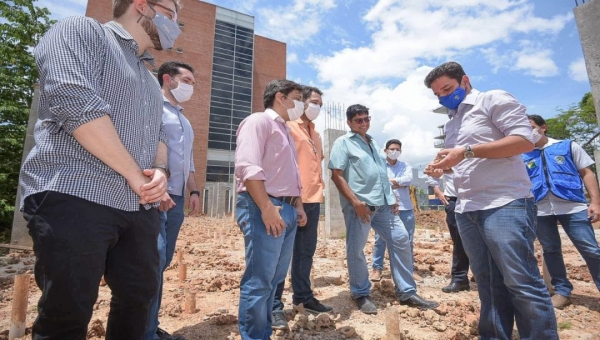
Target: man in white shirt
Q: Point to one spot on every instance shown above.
(559, 169)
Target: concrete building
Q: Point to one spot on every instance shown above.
(233, 66)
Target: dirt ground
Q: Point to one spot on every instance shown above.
(213, 252)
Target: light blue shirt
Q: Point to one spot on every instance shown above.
(364, 169)
(180, 149)
(401, 172)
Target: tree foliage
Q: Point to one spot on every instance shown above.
(21, 26)
(578, 123)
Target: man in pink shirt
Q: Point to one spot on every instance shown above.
(269, 206)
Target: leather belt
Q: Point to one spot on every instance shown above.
(291, 200)
(451, 198)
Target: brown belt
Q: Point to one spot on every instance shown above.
(291, 200)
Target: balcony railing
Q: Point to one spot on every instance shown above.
(439, 145)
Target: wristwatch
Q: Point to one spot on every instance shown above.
(164, 168)
(468, 152)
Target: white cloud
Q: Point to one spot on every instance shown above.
(296, 23)
(577, 70)
(292, 58)
(532, 59)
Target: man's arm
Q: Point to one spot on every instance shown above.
(591, 185)
(269, 212)
(195, 198)
(337, 176)
(405, 178)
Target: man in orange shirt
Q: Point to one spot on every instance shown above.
(310, 155)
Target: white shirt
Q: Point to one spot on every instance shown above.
(485, 183)
(401, 172)
(552, 205)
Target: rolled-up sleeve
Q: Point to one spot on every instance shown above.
(251, 139)
(70, 62)
(338, 159)
(508, 115)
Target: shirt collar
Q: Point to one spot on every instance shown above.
(124, 34)
(310, 123)
(471, 98)
(178, 107)
(352, 134)
(274, 115)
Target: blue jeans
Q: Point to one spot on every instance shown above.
(170, 224)
(499, 243)
(580, 231)
(267, 262)
(408, 219)
(305, 245)
(391, 229)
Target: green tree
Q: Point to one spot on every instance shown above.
(578, 123)
(21, 26)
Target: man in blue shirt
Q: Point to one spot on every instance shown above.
(559, 169)
(177, 84)
(400, 175)
(360, 174)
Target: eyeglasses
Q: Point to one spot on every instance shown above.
(362, 120)
(172, 13)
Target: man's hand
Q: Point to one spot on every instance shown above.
(394, 184)
(594, 212)
(362, 211)
(439, 194)
(194, 205)
(395, 208)
(430, 171)
(136, 184)
(166, 203)
(154, 190)
(302, 219)
(272, 219)
(447, 158)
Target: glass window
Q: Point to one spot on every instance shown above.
(217, 92)
(243, 58)
(221, 68)
(219, 119)
(243, 66)
(240, 114)
(218, 129)
(220, 111)
(219, 177)
(237, 82)
(240, 49)
(243, 90)
(243, 78)
(223, 55)
(227, 76)
(219, 145)
(223, 38)
(221, 86)
(218, 137)
(240, 96)
(221, 102)
(244, 30)
(223, 46)
(242, 107)
(223, 62)
(236, 121)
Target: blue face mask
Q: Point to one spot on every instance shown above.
(168, 30)
(454, 99)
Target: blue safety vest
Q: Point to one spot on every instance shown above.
(552, 170)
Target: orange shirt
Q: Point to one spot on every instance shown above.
(310, 155)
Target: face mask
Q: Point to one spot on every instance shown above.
(454, 99)
(183, 92)
(295, 112)
(312, 111)
(394, 154)
(536, 135)
(168, 30)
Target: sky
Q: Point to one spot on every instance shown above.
(378, 52)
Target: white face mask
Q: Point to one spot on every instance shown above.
(394, 154)
(183, 92)
(536, 135)
(312, 111)
(295, 112)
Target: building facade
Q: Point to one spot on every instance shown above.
(232, 67)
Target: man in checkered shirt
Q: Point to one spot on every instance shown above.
(93, 181)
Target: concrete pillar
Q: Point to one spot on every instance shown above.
(587, 17)
(19, 234)
(334, 219)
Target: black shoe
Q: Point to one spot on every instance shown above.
(366, 305)
(315, 307)
(278, 321)
(419, 302)
(455, 287)
(164, 335)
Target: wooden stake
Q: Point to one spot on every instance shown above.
(19, 307)
(179, 257)
(392, 323)
(222, 239)
(190, 302)
(183, 272)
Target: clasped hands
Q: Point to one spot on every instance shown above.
(444, 161)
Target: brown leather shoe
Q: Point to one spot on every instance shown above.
(375, 275)
(560, 301)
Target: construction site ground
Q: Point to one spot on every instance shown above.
(214, 253)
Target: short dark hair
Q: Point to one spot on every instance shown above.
(279, 85)
(307, 91)
(172, 69)
(537, 119)
(392, 141)
(356, 109)
(450, 69)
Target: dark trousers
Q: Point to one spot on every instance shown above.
(305, 245)
(460, 261)
(76, 242)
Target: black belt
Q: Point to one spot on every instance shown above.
(451, 198)
(291, 200)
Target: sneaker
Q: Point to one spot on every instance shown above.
(164, 335)
(315, 307)
(560, 301)
(365, 305)
(375, 275)
(278, 321)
